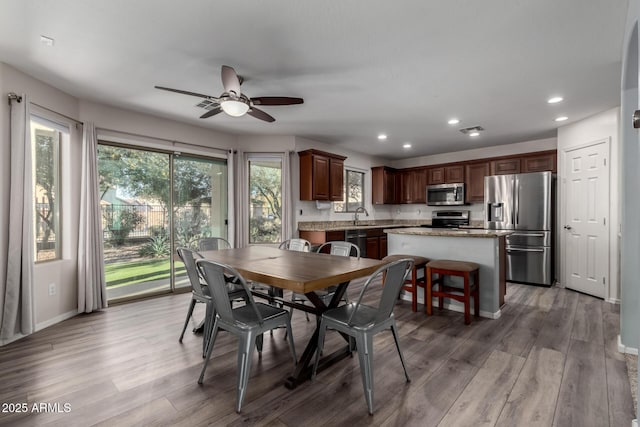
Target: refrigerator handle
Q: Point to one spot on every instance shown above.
(516, 203)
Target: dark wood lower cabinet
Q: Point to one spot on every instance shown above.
(373, 247)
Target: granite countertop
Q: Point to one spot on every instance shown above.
(448, 232)
(361, 225)
(366, 224)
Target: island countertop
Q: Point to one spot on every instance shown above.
(448, 232)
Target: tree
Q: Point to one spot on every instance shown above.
(265, 187)
(46, 149)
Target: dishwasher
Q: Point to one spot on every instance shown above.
(358, 238)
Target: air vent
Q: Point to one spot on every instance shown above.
(472, 129)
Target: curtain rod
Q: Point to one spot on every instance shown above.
(13, 95)
(173, 141)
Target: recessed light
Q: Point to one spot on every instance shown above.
(47, 41)
(555, 100)
(406, 145)
(562, 118)
(474, 133)
(382, 137)
(453, 121)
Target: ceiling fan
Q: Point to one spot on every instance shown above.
(234, 102)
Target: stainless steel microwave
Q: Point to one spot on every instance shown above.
(445, 194)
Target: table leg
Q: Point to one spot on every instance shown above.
(305, 365)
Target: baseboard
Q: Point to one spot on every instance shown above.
(454, 307)
(57, 319)
(624, 349)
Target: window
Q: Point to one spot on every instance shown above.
(265, 198)
(353, 192)
(46, 137)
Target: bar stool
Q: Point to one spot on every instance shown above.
(464, 269)
(412, 284)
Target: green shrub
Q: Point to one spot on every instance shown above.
(156, 247)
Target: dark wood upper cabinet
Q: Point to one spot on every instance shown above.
(321, 175)
(505, 166)
(435, 175)
(454, 174)
(539, 163)
(409, 185)
(475, 173)
(383, 188)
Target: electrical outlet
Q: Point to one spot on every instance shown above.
(52, 289)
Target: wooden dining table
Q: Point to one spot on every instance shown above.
(301, 272)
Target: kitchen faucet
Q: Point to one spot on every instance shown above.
(355, 215)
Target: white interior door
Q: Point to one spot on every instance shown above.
(586, 249)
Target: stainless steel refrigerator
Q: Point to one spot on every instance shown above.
(524, 203)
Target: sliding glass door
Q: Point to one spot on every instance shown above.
(153, 202)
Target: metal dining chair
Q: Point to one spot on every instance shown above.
(200, 294)
(247, 322)
(339, 248)
(361, 322)
(213, 244)
(300, 245)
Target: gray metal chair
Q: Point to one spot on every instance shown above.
(200, 293)
(213, 244)
(248, 322)
(300, 245)
(362, 322)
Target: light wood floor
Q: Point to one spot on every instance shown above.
(551, 359)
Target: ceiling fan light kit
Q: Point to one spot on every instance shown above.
(233, 101)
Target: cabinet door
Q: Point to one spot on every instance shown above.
(419, 183)
(406, 194)
(320, 178)
(435, 175)
(505, 166)
(454, 174)
(540, 163)
(336, 180)
(382, 246)
(475, 173)
(373, 249)
(383, 185)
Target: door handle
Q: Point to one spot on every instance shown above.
(528, 234)
(636, 119)
(524, 250)
(567, 227)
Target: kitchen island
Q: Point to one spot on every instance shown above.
(485, 247)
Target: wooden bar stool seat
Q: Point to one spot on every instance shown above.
(466, 270)
(411, 284)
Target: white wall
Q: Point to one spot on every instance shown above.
(603, 126)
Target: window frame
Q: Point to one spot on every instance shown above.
(267, 157)
(345, 202)
(63, 135)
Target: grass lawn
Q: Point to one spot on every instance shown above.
(127, 273)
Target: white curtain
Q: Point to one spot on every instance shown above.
(241, 200)
(92, 286)
(231, 197)
(18, 315)
(287, 198)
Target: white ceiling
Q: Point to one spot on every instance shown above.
(362, 66)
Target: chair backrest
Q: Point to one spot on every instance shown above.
(341, 248)
(214, 275)
(393, 275)
(188, 258)
(300, 245)
(213, 244)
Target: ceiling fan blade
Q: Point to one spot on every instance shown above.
(276, 100)
(259, 114)
(212, 112)
(230, 80)
(185, 92)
